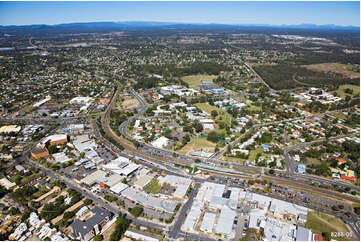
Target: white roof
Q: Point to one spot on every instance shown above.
(113, 180)
(121, 166)
(92, 178)
(160, 142)
(193, 215)
(61, 157)
(225, 221)
(149, 201)
(138, 236)
(118, 188)
(6, 183)
(55, 137)
(208, 222)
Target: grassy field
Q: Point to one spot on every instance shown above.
(345, 70)
(153, 186)
(319, 222)
(221, 113)
(341, 90)
(339, 115)
(196, 80)
(253, 153)
(197, 144)
(254, 108)
(313, 161)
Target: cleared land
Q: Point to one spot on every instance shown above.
(320, 222)
(153, 186)
(341, 90)
(195, 80)
(348, 71)
(197, 144)
(130, 103)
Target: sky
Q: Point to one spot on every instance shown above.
(274, 13)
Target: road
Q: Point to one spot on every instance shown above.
(292, 167)
(175, 229)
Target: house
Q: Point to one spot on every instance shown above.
(86, 230)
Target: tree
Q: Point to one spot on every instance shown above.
(52, 149)
(214, 114)
(213, 136)
(88, 202)
(98, 237)
(13, 211)
(136, 211)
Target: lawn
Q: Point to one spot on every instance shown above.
(195, 80)
(253, 153)
(254, 108)
(221, 113)
(153, 186)
(314, 161)
(341, 90)
(197, 144)
(320, 222)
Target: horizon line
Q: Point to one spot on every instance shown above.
(171, 22)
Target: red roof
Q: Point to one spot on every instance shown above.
(349, 178)
(340, 160)
(318, 237)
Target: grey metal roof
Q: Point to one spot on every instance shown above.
(83, 227)
(303, 234)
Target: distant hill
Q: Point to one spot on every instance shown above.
(102, 27)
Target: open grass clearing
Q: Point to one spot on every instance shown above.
(153, 186)
(195, 80)
(197, 144)
(345, 70)
(320, 222)
(341, 90)
(222, 114)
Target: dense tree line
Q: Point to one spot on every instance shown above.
(282, 76)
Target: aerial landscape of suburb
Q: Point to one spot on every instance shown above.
(180, 121)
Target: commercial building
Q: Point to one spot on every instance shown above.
(208, 222)
(121, 166)
(7, 184)
(303, 234)
(86, 230)
(161, 142)
(138, 236)
(81, 100)
(39, 151)
(301, 168)
(55, 139)
(153, 207)
(10, 129)
(89, 180)
(118, 188)
(61, 157)
(225, 222)
(182, 184)
(41, 102)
